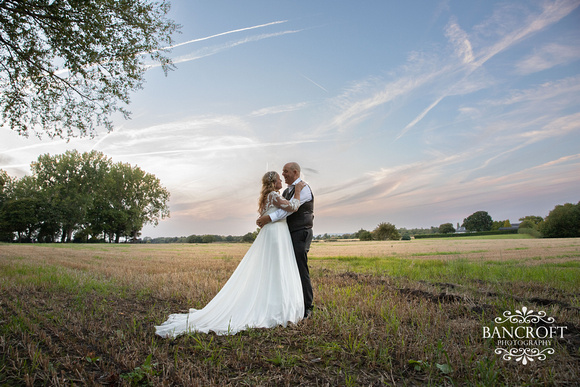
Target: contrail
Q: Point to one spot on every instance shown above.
(420, 116)
(314, 82)
(208, 51)
(62, 71)
(225, 33)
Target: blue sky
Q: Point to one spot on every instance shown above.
(416, 113)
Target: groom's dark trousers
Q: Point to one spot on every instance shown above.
(300, 225)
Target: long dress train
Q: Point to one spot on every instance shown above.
(264, 290)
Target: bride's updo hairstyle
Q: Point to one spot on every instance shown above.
(268, 185)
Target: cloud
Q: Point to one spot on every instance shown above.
(278, 109)
(353, 112)
(36, 146)
(541, 93)
(401, 191)
(548, 56)
(557, 127)
(222, 144)
(460, 41)
(8, 162)
(382, 186)
(551, 13)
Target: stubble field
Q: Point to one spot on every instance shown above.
(387, 313)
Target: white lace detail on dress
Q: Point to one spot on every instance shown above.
(276, 200)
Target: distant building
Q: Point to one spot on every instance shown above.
(514, 226)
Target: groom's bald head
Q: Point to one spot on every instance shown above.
(293, 166)
(291, 172)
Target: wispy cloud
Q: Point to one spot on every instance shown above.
(353, 112)
(541, 93)
(226, 144)
(460, 42)
(548, 56)
(552, 12)
(35, 146)
(561, 160)
(278, 109)
(557, 127)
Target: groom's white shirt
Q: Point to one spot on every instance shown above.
(305, 196)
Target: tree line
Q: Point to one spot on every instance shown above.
(206, 238)
(82, 197)
(562, 222)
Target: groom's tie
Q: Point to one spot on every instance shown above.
(289, 192)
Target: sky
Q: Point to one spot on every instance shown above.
(416, 113)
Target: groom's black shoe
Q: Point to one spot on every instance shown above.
(308, 313)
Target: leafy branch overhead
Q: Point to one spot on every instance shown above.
(67, 65)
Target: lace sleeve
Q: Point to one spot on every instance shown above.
(287, 205)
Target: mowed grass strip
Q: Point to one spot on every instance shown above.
(84, 314)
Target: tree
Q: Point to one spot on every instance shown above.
(4, 180)
(208, 238)
(5, 233)
(446, 228)
(67, 64)
(533, 218)
(386, 231)
(562, 222)
(251, 236)
(478, 221)
(19, 216)
(131, 199)
(497, 224)
(363, 235)
(88, 194)
(19, 213)
(528, 224)
(70, 182)
(194, 239)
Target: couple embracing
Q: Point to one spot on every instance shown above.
(271, 285)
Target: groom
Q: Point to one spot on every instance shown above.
(300, 225)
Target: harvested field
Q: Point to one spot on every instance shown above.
(387, 313)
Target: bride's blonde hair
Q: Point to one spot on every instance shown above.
(268, 185)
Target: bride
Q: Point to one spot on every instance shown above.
(264, 290)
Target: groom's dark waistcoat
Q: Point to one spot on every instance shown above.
(303, 218)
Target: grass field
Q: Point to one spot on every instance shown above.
(387, 313)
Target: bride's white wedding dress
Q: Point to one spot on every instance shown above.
(264, 290)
